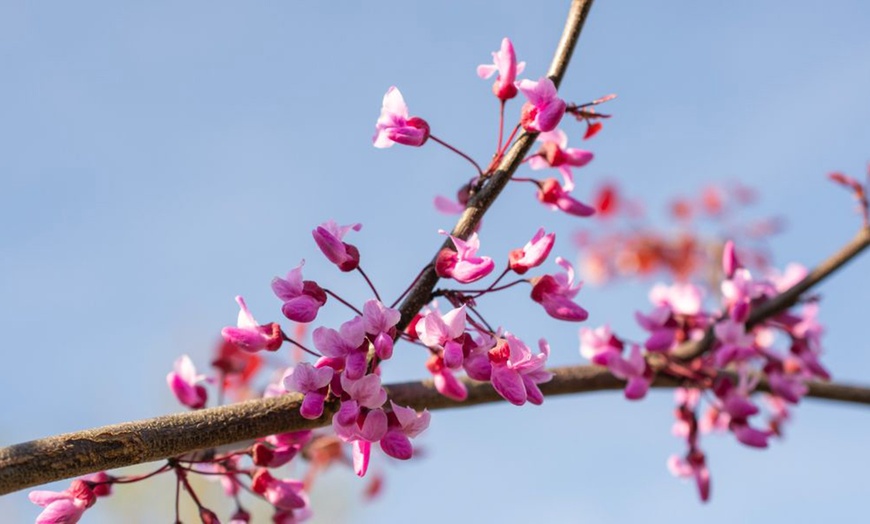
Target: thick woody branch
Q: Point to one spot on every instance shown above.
(73, 454)
(421, 293)
(787, 298)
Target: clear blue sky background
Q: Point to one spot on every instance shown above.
(157, 159)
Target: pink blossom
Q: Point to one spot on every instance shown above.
(442, 333)
(367, 391)
(347, 346)
(555, 153)
(504, 61)
(445, 381)
(730, 264)
(185, 383)
(281, 493)
(683, 299)
(251, 336)
(463, 265)
(328, 237)
(312, 382)
(740, 290)
(277, 450)
(735, 344)
(380, 322)
(557, 197)
(65, 506)
(634, 370)
(693, 466)
(302, 298)
(790, 387)
(395, 126)
(533, 253)
(555, 293)
(544, 110)
(516, 372)
(662, 328)
(599, 345)
(404, 424)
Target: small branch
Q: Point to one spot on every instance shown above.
(73, 454)
(480, 203)
(787, 298)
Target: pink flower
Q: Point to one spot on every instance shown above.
(446, 382)
(600, 345)
(394, 125)
(251, 336)
(555, 153)
(64, 507)
(634, 370)
(329, 237)
(404, 424)
(281, 493)
(544, 109)
(662, 328)
(302, 298)
(516, 372)
(504, 61)
(730, 263)
(313, 383)
(463, 265)
(692, 466)
(380, 322)
(683, 299)
(347, 345)
(555, 293)
(533, 253)
(279, 449)
(557, 197)
(443, 333)
(184, 383)
(735, 344)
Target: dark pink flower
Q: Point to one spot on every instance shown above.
(693, 466)
(313, 383)
(504, 62)
(555, 153)
(404, 424)
(533, 253)
(446, 382)
(329, 237)
(251, 336)
(64, 507)
(395, 126)
(544, 110)
(463, 265)
(281, 493)
(516, 372)
(555, 293)
(557, 197)
(348, 345)
(185, 383)
(302, 298)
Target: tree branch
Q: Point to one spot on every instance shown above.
(73, 454)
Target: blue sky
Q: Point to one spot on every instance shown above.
(158, 159)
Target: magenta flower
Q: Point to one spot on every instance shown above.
(65, 507)
(395, 126)
(693, 466)
(463, 265)
(634, 370)
(313, 383)
(251, 336)
(557, 197)
(404, 424)
(735, 344)
(504, 62)
(600, 345)
(730, 263)
(380, 322)
(329, 237)
(544, 110)
(277, 450)
(281, 493)
(533, 253)
(662, 327)
(302, 298)
(185, 383)
(516, 372)
(347, 346)
(443, 333)
(555, 293)
(555, 153)
(445, 381)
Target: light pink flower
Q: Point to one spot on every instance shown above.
(328, 237)
(404, 424)
(380, 323)
(251, 336)
(463, 265)
(516, 372)
(445, 381)
(555, 153)
(442, 333)
(600, 345)
(683, 299)
(185, 383)
(395, 126)
(544, 110)
(555, 293)
(313, 383)
(66, 506)
(504, 61)
(557, 197)
(533, 253)
(302, 298)
(347, 346)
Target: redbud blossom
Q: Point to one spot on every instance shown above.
(281, 493)
(302, 298)
(251, 336)
(395, 126)
(555, 153)
(312, 382)
(380, 323)
(599, 345)
(504, 61)
(184, 383)
(555, 293)
(347, 346)
(445, 381)
(533, 253)
(516, 372)
(694, 466)
(442, 333)
(65, 507)
(557, 197)
(463, 265)
(329, 237)
(544, 110)
(404, 424)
